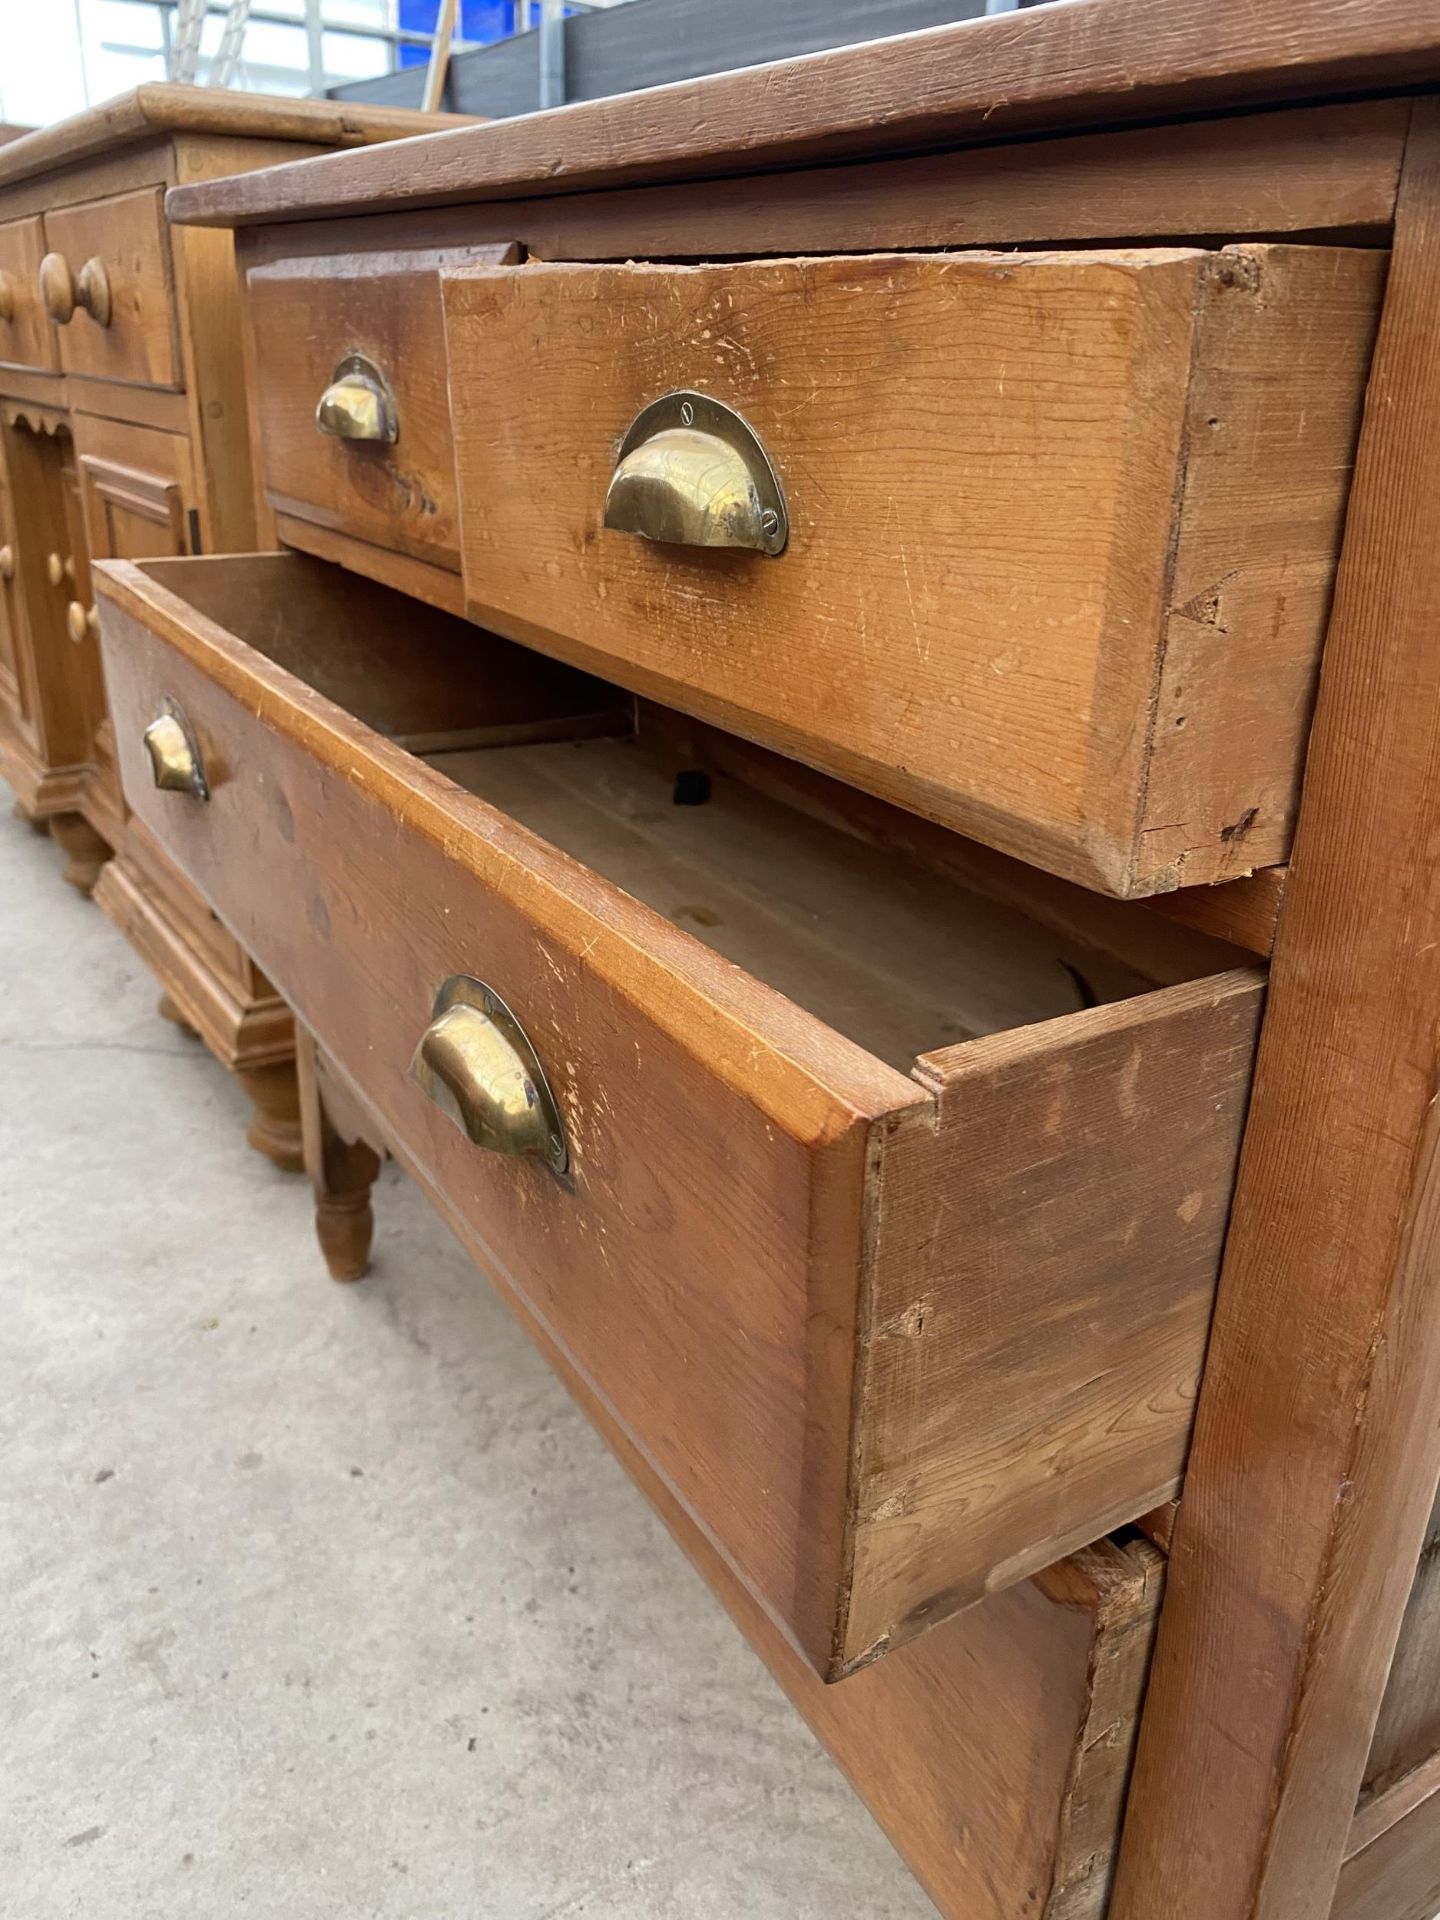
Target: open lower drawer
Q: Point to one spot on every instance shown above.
(893, 1338)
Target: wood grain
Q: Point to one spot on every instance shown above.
(155, 109)
(1407, 1733)
(1382, 1810)
(62, 694)
(26, 337)
(717, 1128)
(983, 456)
(128, 234)
(341, 1172)
(995, 1751)
(207, 296)
(435, 586)
(161, 468)
(1311, 169)
(864, 939)
(1315, 170)
(1276, 387)
(719, 1118)
(307, 314)
(1044, 1272)
(1315, 1459)
(1089, 63)
(1245, 912)
(1397, 1876)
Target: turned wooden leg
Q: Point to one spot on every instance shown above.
(342, 1172)
(87, 852)
(36, 822)
(275, 1125)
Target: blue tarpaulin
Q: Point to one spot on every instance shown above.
(477, 21)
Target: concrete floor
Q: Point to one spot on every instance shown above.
(323, 1601)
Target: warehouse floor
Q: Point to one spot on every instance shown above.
(324, 1601)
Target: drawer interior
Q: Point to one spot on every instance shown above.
(891, 946)
(863, 939)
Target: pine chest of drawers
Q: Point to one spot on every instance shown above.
(765, 772)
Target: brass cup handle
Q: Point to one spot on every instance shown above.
(7, 563)
(174, 754)
(693, 473)
(81, 623)
(62, 292)
(476, 1063)
(358, 403)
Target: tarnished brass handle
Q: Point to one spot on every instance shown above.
(7, 296)
(174, 754)
(7, 563)
(476, 1063)
(62, 292)
(358, 403)
(693, 473)
(81, 623)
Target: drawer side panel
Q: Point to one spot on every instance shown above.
(1045, 1268)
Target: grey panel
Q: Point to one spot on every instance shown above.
(653, 42)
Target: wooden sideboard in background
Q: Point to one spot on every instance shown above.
(123, 434)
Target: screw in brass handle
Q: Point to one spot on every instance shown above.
(81, 623)
(174, 754)
(7, 563)
(62, 292)
(476, 1063)
(358, 403)
(59, 570)
(7, 297)
(693, 473)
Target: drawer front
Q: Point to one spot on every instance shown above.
(128, 331)
(309, 318)
(874, 1420)
(1061, 527)
(26, 336)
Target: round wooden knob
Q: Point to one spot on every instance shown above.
(80, 622)
(57, 289)
(7, 563)
(92, 292)
(7, 297)
(59, 569)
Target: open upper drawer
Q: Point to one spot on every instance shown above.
(880, 1202)
(1043, 543)
(351, 410)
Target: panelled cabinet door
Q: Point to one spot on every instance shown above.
(133, 502)
(11, 696)
(57, 687)
(137, 495)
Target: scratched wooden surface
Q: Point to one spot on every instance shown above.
(1315, 1461)
(307, 314)
(1097, 62)
(1006, 475)
(995, 1752)
(719, 1128)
